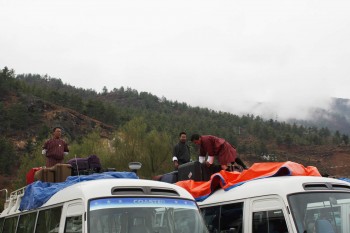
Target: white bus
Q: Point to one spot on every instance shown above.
(108, 206)
(294, 204)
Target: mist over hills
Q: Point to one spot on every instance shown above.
(333, 114)
(336, 117)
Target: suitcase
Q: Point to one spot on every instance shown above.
(30, 174)
(208, 171)
(62, 171)
(197, 171)
(170, 177)
(94, 163)
(45, 175)
(190, 171)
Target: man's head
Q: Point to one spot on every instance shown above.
(182, 137)
(57, 131)
(196, 139)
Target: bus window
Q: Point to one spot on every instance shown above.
(49, 220)
(10, 225)
(310, 210)
(184, 221)
(113, 222)
(141, 214)
(26, 223)
(271, 221)
(231, 218)
(225, 218)
(73, 224)
(211, 216)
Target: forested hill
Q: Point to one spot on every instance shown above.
(120, 105)
(32, 104)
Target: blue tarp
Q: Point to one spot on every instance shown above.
(344, 179)
(37, 193)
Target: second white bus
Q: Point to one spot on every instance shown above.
(294, 204)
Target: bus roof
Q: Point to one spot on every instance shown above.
(281, 186)
(104, 188)
(113, 187)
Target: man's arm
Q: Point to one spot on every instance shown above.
(211, 150)
(66, 150)
(175, 153)
(44, 148)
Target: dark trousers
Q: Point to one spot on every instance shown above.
(240, 162)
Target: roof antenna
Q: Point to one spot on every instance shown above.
(76, 162)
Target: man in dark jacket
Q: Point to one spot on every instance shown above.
(181, 151)
(219, 147)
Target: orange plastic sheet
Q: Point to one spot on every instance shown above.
(228, 180)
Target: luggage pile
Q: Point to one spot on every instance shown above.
(60, 172)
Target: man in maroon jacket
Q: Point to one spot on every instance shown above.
(219, 147)
(55, 148)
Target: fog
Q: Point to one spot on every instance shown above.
(272, 58)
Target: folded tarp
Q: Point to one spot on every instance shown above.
(200, 190)
(37, 193)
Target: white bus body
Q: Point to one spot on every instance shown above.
(110, 206)
(294, 204)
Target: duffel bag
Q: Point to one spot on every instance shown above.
(79, 164)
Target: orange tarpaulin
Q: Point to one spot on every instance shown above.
(228, 180)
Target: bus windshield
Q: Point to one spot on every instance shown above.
(321, 212)
(140, 214)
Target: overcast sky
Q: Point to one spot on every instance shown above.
(224, 55)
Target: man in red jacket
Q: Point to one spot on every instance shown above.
(55, 148)
(219, 147)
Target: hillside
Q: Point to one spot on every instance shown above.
(31, 105)
(41, 116)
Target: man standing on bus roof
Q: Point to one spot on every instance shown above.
(55, 148)
(219, 147)
(181, 151)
